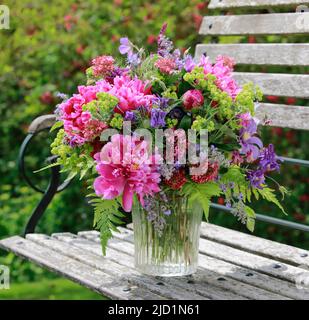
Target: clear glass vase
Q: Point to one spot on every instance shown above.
(172, 251)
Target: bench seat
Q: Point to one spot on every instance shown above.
(233, 266)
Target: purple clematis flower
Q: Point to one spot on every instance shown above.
(269, 160)
(250, 144)
(256, 178)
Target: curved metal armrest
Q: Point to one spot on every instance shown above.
(41, 123)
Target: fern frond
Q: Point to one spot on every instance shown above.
(201, 193)
(268, 194)
(106, 217)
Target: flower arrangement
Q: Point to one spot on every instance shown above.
(107, 129)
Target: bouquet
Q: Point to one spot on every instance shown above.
(164, 134)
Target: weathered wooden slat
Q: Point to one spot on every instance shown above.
(248, 274)
(253, 244)
(283, 54)
(277, 84)
(70, 246)
(212, 271)
(259, 24)
(227, 4)
(204, 281)
(123, 252)
(92, 278)
(285, 116)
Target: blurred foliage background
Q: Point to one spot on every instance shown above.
(46, 51)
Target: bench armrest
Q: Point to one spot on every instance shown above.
(41, 123)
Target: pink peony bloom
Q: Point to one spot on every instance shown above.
(103, 65)
(126, 167)
(131, 93)
(166, 65)
(222, 69)
(193, 99)
(78, 124)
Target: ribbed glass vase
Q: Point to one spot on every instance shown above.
(174, 250)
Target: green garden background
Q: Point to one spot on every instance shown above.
(45, 52)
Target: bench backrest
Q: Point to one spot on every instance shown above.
(274, 54)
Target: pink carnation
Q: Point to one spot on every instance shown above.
(125, 168)
(103, 65)
(166, 65)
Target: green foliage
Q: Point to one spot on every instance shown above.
(50, 289)
(250, 218)
(269, 195)
(106, 218)
(201, 193)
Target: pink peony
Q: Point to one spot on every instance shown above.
(126, 167)
(193, 99)
(222, 69)
(78, 124)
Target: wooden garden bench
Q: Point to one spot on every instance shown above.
(233, 265)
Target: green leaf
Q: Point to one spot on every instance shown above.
(57, 125)
(250, 218)
(106, 216)
(268, 194)
(185, 122)
(201, 193)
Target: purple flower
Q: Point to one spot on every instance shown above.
(167, 212)
(133, 59)
(125, 46)
(157, 119)
(130, 116)
(189, 63)
(250, 144)
(165, 45)
(256, 178)
(269, 160)
(161, 102)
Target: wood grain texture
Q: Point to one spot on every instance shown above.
(206, 282)
(248, 274)
(90, 254)
(285, 116)
(258, 24)
(284, 85)
(253, 244)
(226, 4)
(287, 54)
(41, 123)
(74, 270)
